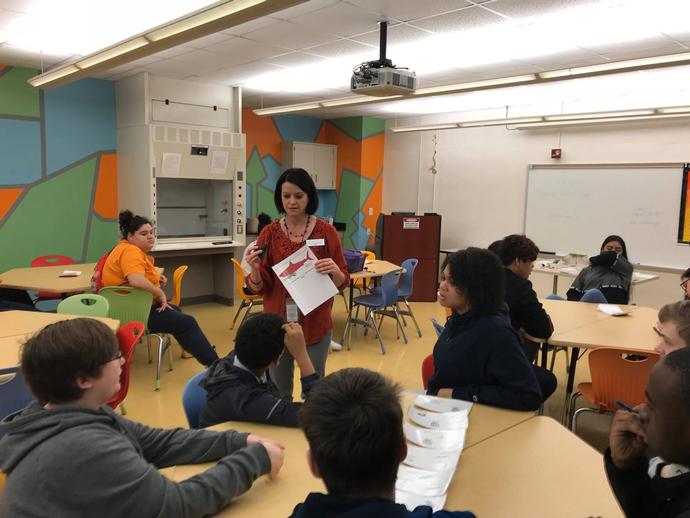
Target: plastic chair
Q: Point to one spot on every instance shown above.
(178, 275)
(359, 283)
(405, 290)
(14, 393)
(614, 377)
(248, 301)
(128, 336)
(50, 260)
(427, 370)
(438, 327)
(378, 304)
(129, 304)
(85, 305)
(194, 399)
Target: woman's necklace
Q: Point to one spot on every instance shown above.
(300, 237)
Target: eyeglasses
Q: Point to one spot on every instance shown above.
(117, 356)
(684, 284)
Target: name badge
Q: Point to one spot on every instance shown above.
(316, 242)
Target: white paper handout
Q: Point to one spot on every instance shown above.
(436, 420)
(423, 482)
(70, 273)
(612, 309)
(441, 404)
(441, 439)
(428, 458)
(219, 162)
(412, 500)
(170, 164)
(307, 287)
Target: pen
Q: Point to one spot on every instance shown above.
(625, 407)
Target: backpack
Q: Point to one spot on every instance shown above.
(97, 276)
(354, 259)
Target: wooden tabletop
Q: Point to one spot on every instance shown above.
(568, 315)
(9, 351)
(537, 468)
(47, 278)
(26, 322)
(376, 268)
(572, 271)
(632, 332)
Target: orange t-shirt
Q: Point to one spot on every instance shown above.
(126, 259)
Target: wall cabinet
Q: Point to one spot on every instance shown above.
(319, 160)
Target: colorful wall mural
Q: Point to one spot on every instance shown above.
(357, 198)
(58, 169)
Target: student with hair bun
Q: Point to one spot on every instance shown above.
(129, 264)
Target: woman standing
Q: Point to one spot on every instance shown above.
(478, 357)
(295, 196)
(129, 264)
(608, 276)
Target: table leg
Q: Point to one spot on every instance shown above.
(349, 312)
(544, 354)
(569, 386)
(555, 284)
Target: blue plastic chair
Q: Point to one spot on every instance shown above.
(194, 399)
(379, 304)
(438, 327)
(14, 393)
(405, 287)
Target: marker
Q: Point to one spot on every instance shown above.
(625, 407)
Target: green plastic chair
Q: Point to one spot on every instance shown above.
(85, 305)
(129, 304)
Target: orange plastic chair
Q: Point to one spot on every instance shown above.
(248, 301)
(128, 336)
(50, 260)
(177, 284)
(614, 377)
(427, 370)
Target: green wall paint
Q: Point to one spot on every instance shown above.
(354, 190)
(17, 97)
(372, 126)
(102, 238)
(351, 126)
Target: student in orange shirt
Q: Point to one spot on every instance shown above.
(129, 264)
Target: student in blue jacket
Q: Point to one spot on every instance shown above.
(478, 357)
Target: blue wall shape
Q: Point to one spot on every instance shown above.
(327, 204)
(80, 119)
(20, 151)
(297, 127)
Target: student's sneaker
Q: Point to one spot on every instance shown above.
(335, 346)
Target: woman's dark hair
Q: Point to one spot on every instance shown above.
(616, 238)
(129, 223)
(479, 276)
(301, 179)
(60, 353)
(264, 220)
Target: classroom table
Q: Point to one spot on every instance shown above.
(18, 326)
(372, 270)
(537, 468)
(572, 272)
(579, 325)
(47, 278)
(278, 497)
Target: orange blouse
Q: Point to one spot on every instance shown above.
(126, 259)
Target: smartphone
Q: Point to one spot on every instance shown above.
(262, 249)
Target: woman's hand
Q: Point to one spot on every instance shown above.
(162, 301)
(163, 280)
(327, 266)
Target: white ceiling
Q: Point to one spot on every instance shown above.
(325, 38)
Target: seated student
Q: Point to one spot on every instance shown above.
(608, 276)
(673, 327)
(11, 299)
(684, 285)
(129, 264)
(239, 386)
(659, 489)
(353, 424)
(478, 357)
(68, 454)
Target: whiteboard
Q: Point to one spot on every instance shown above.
(572, 209)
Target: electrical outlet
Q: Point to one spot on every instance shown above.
(371, 211)
(369, 232)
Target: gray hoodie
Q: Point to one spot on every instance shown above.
(73, 461)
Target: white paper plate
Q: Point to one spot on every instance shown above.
(428, 458)
(441, 404)
(438, 420)
(438, 439)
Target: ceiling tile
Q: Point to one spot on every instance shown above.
(238, 74)
(294, 59)
(462, 20)
(520, 9)
(128, 73)
(304, 8)
(566, 59)
(399, 34)
(24, 58)
(656, 41)
(291, 36)
(247, 49)
(340, 19)
(623, 54)
(253, 25)
(212, 59)
(9, 18)
(341, 48)
(178, 69)
(207, 41)
(172, 52)
(406, 10)
(20, 6)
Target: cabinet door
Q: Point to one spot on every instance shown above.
(303, 156)
(324, 166)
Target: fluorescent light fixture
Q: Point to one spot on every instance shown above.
(557, 124)
(474, 85)
(205, 21)
(112, 52)
(346, 101)
(499, 122)
(619, 66)
(600, 115)
(674, 109)
(287, 109)
(425, 128)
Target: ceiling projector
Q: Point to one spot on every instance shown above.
(381, 78)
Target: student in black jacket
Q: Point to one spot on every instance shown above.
(478, 356)
(239, 386)
(660, 489)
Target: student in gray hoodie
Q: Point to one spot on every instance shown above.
(68, 455)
